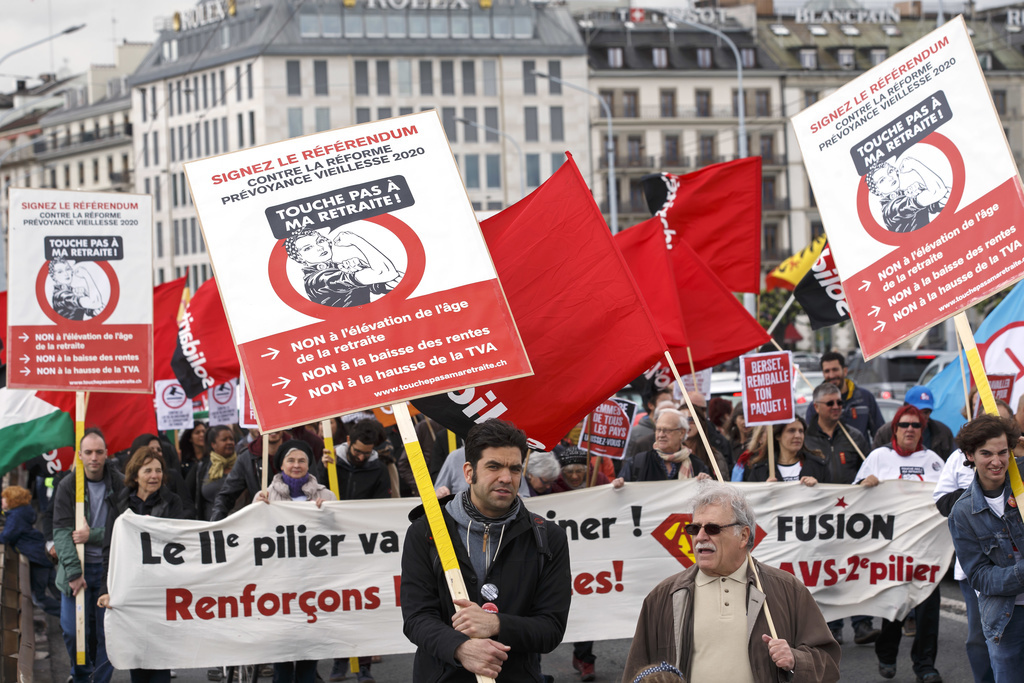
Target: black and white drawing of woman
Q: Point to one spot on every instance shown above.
(75, 294)
(909, 192)
(342, 269)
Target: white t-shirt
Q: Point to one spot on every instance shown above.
(790, 472)
(885, 463)
(955, 475)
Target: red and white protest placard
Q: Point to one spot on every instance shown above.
(80, 309)
(223, 403)
(366, 280)
(767, 382)
(246, 410)
(914, 149)
(173, 406)
(606, 429)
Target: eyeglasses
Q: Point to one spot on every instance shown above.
(831, 404)
(693, 528)
(908, 425)
(660, 430)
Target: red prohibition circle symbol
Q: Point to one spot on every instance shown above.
(879, 232)
(169, 400)
(294, 299)
(225, 388)
(47, 306)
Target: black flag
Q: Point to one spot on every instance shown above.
(821, 293)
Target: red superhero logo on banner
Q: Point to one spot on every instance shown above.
(678, 543)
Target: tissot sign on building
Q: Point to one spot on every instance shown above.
(917, 188)
(366, 280)
(80, 310)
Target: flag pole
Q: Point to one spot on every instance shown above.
(438, 528)
(771, 451)
(81, 399)
(718, 475)
(988, 400)
(332, 468)
(840, 423)
(693, 373)
(782, 312)
(963, 378)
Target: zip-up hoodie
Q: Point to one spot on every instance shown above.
(482, 540)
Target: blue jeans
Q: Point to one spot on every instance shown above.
(977, 650)
(1008, 654)
(97, 668)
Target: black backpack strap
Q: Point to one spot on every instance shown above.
(540, 537)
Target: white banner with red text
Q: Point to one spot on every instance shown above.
(289, 581)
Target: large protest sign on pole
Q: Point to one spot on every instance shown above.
(606, 429)
(914, 149)
(80, 310)
(192, 594)
(767, 383)
(366, 281)
(173, 407)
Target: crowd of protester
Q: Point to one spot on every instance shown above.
(213, 471)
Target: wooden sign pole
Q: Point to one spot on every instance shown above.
(438, 529)
(80, 401)
(332, 468)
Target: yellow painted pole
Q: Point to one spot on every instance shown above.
(80, 399)
(332, 469)
(438, 529)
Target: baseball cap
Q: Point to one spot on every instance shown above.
(920, 397)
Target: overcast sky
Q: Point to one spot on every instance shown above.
(110, 21)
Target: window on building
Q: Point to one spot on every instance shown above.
(206, 93)
(762, 103)
(447, 77)
(810, 97)
(846, 58)
(491, 121)
(189, 151)
(158, 239)
(493, 206)
(224, 132)
(170, 99)
(448, 120)
(426, 77)
(557, 124)
(241, 131)
(529, 79)
(396, 25)
(985, 59)
(530, 124)
(471, 171)
(878, 55)
(659, 56)
(383, 113)
(704, 58)
(557, 159)
(770, 241)
(469, 132)
(323, 118)
(706, 149)
(362, 68)
(374, 25)
(252, 128)
(630, 106)
(383, 77)
(468, 77)
(157, 198)
(493, 170)
(438, 25)
(177, 238)
(999, 100)
(554, 69)
(608, 96)
(404, 69)
(320, 77)
(142, 97)
(362, 114)
(667, 103)
(223, 88)
(417, 25)
(532, 170)
(767, 148)
(768, 199)
(145, 150)
(459, 25)
(670, 150)
(353, 25)
(490, 77)
(809, 58)
(748, 56)
(481, 25)
(703, 100)
(634, 150)
(615, 57)
(294, 77)
(309, 22)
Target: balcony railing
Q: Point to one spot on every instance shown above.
(657, 111)
(629, 161)
(63, 144)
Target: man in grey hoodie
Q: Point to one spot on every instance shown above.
(515, 565)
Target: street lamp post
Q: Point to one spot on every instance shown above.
(70, 29)
(522, 164)
(613, 200)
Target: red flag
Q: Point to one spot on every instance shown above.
(717, 325)
(586, 329)
(166, 302)
(205, 355)
(717, 211)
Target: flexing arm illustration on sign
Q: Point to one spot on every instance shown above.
(343, 270)
(75, 294)
(909, 192)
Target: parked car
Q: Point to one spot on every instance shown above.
(891, 373)
(888, 407)
(936, 366)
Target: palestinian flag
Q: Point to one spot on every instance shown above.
(30, 426)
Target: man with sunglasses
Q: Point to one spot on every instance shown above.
(907, 458)
(720, 593)
(860, 409)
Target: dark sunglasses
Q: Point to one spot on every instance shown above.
(831, 403)
(908, 425)
(693, 529)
